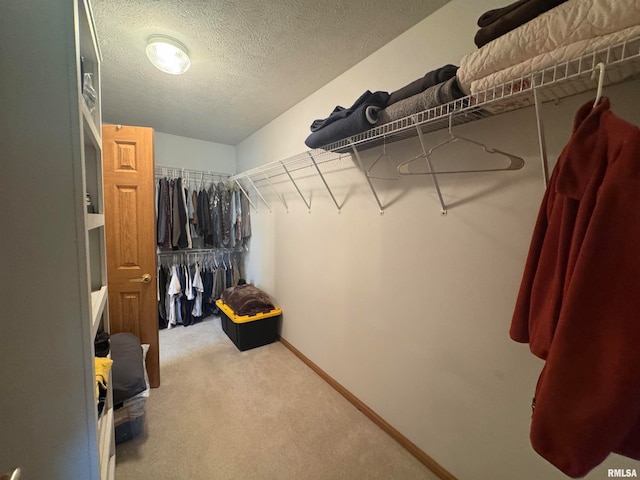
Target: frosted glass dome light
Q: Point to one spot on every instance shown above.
(168, 54)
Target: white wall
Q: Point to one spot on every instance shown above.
(411, 310)
(183, 152)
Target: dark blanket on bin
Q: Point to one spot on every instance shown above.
(247, 300)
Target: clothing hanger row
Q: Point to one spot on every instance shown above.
(515, 162)
(181, 257)
(191, 175)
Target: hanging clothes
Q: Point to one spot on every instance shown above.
(208, 293)
(246, 219)
(173, 292)
(215, 216)
(238, 229)
(163, 225)
(180, 236)
(232, 233)
(578, 305)
(162, 294)
(208, 217)
(188, 290)
(225, 215)
(196, 238)
(198, 287)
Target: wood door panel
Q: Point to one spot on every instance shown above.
(130, 232)
(125, 156)
(128, 312)
(126, 220)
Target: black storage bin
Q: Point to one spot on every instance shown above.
(248, 332)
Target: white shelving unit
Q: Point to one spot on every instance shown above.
(57, 301)
(89, 58)
(621, 63)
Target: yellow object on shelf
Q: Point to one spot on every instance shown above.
(102, 369)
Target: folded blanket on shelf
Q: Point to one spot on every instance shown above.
(247, 300)
(430, 79)
(367, 98)
(362, 119)
(496, 23)
(568, 23)
(487, 18)
(558, 56)
(440, 94)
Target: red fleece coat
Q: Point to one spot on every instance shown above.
(579, 301)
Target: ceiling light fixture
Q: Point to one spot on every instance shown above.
(168, 54)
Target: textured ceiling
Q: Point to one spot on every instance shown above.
(251, 60)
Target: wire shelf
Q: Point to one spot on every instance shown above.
(622, 63)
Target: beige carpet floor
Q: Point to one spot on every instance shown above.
(260, 414)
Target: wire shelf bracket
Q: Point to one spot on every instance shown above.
(296, 185)
(246, 195)
(259, 194)
(325, 182)
(443, 207)
(281, 197)
(361, 165)
(541, 138)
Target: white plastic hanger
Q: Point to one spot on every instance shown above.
(383, 156)
(600, 66)
(515, 163)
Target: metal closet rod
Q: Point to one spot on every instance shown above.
(201, 250)
(178, 171)
(199, 253)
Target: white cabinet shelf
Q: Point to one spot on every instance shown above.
(106, 436)
(91, 138)
(95, 220)
(91, 131)
(55, 143)
(98, 302)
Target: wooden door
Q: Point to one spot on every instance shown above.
(130, 232)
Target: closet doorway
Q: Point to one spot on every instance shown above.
(130, 236)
